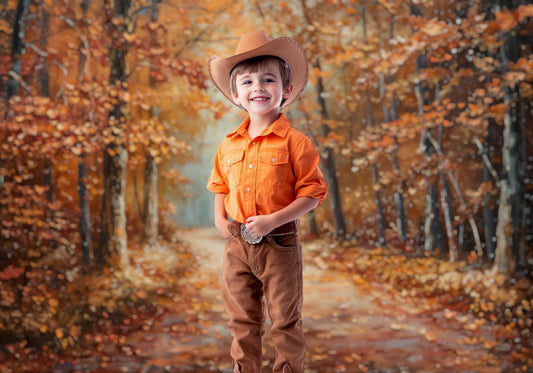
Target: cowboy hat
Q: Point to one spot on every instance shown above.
(256, 44)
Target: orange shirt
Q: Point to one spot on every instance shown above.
(263, 175)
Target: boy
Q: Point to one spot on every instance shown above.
(264, 178)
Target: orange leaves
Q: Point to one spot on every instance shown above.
(316, 74)
(11, 272)
(506, 20)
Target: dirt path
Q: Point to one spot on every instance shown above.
(354, 329)
(350, 327)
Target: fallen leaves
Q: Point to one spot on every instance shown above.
(11, 272)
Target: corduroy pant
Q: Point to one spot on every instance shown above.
(267, 275)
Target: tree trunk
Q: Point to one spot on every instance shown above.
(330, 171)
(489, 226)
(432, 227)
(510, 248)
(85, 218)
(380, 217)
(151, 201)
(379, 206)
(327, 155)
(151, 196)
(311, 222)
(17, 49)
(112, 250)
(401, 219)
(446, 199)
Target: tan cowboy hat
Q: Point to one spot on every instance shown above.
(256, 44)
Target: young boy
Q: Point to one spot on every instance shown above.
(264, 178)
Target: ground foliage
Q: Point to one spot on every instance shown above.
(467, 292)
(58, 305)
(56, 312)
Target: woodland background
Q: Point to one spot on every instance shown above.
(421, 111)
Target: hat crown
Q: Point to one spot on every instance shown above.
(251, 41)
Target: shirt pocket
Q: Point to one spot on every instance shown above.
(232, 165)
(274, 167)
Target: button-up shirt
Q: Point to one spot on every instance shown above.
(263, 175)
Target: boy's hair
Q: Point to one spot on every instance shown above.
(253, 64)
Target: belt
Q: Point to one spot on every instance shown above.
(283, 230)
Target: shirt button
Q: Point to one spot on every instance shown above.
(229, 161)
(247, 189)
(250, 165)
(253, 143)
(273, 159)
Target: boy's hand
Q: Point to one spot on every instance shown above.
(261, 225)
(223, 226)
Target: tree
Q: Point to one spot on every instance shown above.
(112, 248)
(510, 249)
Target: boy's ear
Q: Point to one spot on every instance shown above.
(287, 91)
(235, 98)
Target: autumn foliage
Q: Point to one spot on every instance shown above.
(421, 112)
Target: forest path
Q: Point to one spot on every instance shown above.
(350, 326)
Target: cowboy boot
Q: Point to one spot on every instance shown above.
(287, 368)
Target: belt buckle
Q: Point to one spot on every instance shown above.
(249, 236)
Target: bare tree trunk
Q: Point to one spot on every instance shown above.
(327, 155)
(401, 219)
(85, 217)
(432, 227)
(489, 226)
(510, 248)
(17, 49)
(112, 250)
(151, 196)
(446, 198)
(330, 171)
(380, 216)
(150, 212)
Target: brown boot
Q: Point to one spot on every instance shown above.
(287, 368)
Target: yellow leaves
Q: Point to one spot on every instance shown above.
(5, 27)
(59, 333)
(129, 37)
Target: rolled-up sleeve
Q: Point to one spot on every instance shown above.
(309, 178)
(216, 182)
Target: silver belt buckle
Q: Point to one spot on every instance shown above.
(249, 236)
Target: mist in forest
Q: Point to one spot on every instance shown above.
(196, 210)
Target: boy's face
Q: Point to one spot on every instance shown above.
(261, 92)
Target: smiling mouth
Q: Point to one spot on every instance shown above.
(259, 99)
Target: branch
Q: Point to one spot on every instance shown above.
(18, 78)
(487, 160)
(37, 50)
(455, 184)
(65, 73)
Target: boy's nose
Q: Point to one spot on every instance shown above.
(259, 86)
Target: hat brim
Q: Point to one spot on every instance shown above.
(285, 48)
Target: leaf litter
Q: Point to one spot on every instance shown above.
(165, 314)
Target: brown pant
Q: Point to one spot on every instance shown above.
(270, 273)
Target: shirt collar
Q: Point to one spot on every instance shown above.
(280, 127)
